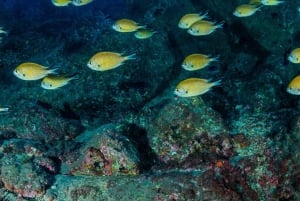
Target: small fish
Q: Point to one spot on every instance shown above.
(2, 31)
(203, 27)
(294, 56)
(194, 87)
(144, 33)
(103, 61)
(294, 86)
(4, 109)
(126, 25)
(56, 81)
(81, 2)
(187, 20)
(271, 2)
(61, 3)
(197, 61)
(32, 71)
(245, 10)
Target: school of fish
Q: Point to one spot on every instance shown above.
(196, 24)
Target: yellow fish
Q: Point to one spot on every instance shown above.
(271, 2)
(245, 10)
(187, 20)
(294, 86)
(32, 71)
(203, 27)
(294, 56)
(60, 3)
(81, 2)
(56, 81)
(103, 61)
(144, 33)
(197, 61)
(194, 87)
(126, 25)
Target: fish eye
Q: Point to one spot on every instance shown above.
(24, 75)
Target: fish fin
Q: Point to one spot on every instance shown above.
(52, 71)
(217, 83)
(74, 76)
(258, 8)
(219, 25)
(131, 57)
(142, 27)
(216, 58)
(204, 15)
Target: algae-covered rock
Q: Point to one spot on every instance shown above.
(178, 185)
(104, 151)
(38, 121)
(20, 175)
(173, 124)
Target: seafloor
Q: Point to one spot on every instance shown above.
(123, 134)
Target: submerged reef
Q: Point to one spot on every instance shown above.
(122, 134)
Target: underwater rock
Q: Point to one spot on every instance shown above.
(22, 176)
(189, 186)
(173, 125)
(33, 121)
(104, 151)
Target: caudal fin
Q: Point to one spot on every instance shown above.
(217, 83)
(52, 71)
(131, 57)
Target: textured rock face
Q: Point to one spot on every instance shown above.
(37, 121)
(169, 186)
(174, 124)
(105, 152)
(24, 177)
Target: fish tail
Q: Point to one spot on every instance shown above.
(258, 8)
(220, 25)
(142, 26)
(74, 76)
(216, 58)
(131, 57)
(52, 71)
(204, 14)
(217, 83)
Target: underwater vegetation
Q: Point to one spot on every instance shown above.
(150, 100)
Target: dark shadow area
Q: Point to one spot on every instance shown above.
(68, 113)
(138, 136)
